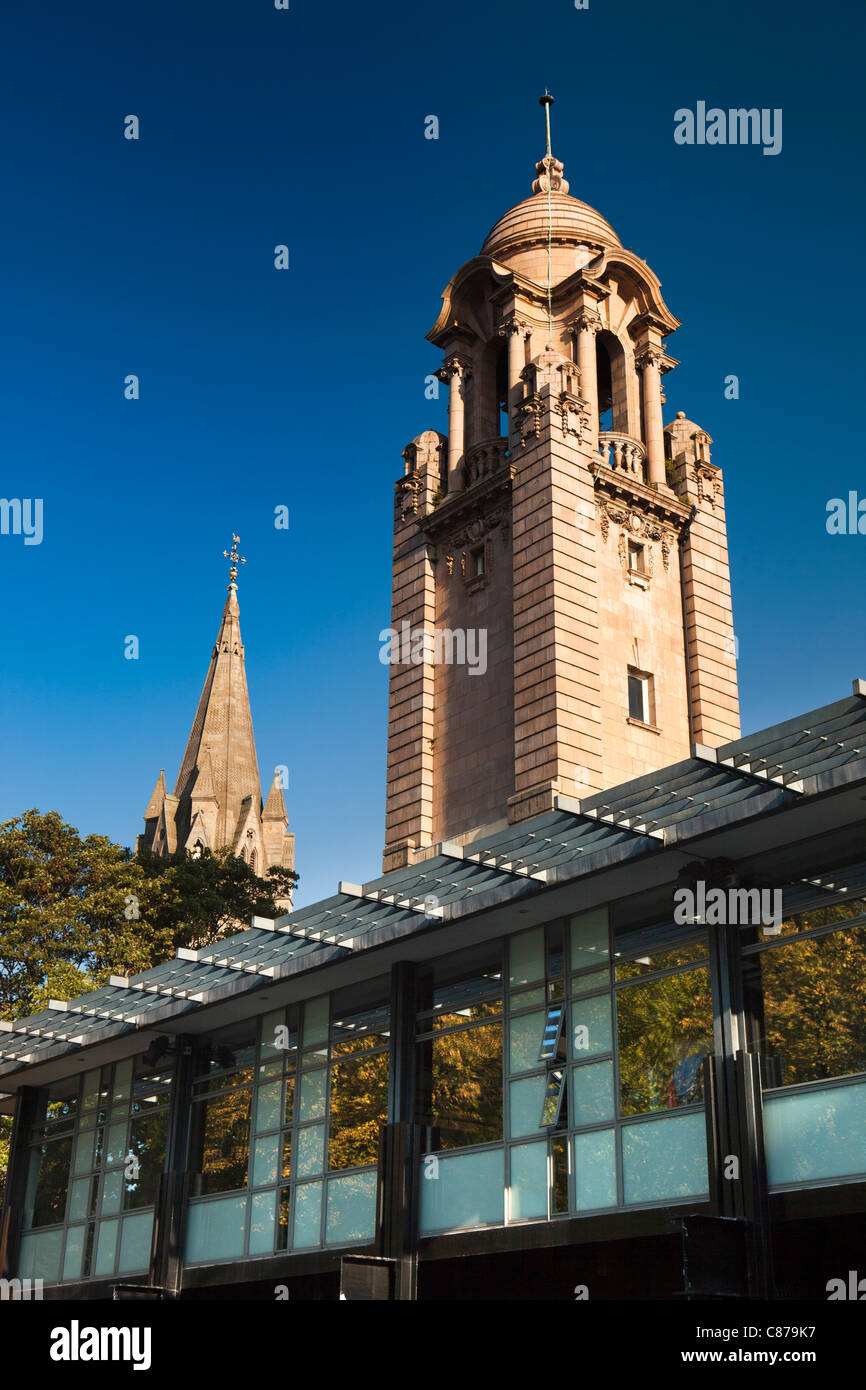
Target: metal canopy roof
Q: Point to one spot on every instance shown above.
(644, 815)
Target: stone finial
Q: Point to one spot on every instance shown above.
(549, 170)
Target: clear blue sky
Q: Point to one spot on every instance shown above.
(261, 388)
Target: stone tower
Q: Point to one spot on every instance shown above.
(561, 529)
(217, 800)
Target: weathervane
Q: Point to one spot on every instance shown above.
(235, 558)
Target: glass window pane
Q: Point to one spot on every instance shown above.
(135, 1239)
(595, 1170)
(525, 1036)
(73, 1252)
(589, 938)
(526, 957)
(359, 1106)
(351, 1213)
(122, 1080)
(148, 1134)
(277, 1039)
(665, 1158)
(311, 1150)
(463, 1190)
(78, 1199)
(106, 1247)
(269, 1100)
(526, 1099)
(215, 1229)
(528, 1180)
(116, 1148)
(314, 1088)
(222, 1135)
(262, 1217)
(592, 1094)
(308, 1215)
(112, 1185)
(39, 1256)
(317, 1018)
(814, 1135)
(591, 1027)
(47, 1180)
(466, 1085)
(265, 1153)
(665, 1030)
(84, 1151)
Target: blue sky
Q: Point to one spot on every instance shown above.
(301, 388)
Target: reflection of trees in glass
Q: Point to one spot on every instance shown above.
(359, 1105)
(147, 1139)
(664, 1028)
(48, 1181)
(464, 1085)
(222, 1141)
(814, 1005)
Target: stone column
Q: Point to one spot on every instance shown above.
(647, 363)
(584, 328)
(454, 371)
(516, 331)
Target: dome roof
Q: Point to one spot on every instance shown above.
(520, 237)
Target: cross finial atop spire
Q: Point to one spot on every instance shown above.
(548, 170)
(235, 559)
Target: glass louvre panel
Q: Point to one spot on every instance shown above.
(559, 1173)
(592, 1094)
(815, 1134)
(106, 1247)
(664, 1158)
(311, 1150)
(589, 938)
(73, 1252)
(215, 1229)
(262, 1218)
(525, 1035)
(359, 1105)
(269, 1102)
(39, 1256)
(526, 957)
(314, 1089)
(148, 1135)
(590, 1027)
(595, 1169)
(528, 1198)
(665, 1030)
(553, 1095)
(467, 1086)
(308, 1215)
(111, 1193)
(351, 1208)
(317, 1017)
(551, 1034)
(135, 1238)
(468, 1190)
(47, 1182)
(265, 1152)
(526, 1098)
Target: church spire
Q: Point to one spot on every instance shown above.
(217, 799)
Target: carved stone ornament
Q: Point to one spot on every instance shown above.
(667, 546)
(707, 483)
(409, 492)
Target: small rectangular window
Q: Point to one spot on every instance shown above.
(478, 562)
(640, 696)
(636, 558)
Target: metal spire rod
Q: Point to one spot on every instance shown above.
(547, 101)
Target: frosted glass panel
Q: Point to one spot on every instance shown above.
(115, 1151)
(311, 1150)
(316, 1020)
(463, 1190)
(592, 1093)
(815, 1134)
(313, 1090)
(74, 1251)
(529, 1181)
(78, 1199)
(111, 1192)
(589, 942)
(525, 1040)
(268, 1103)
(265, 1160)
(595, 1170)
(351, 1208)
(526, 1098)
(665, 1158)
(84, 1151)
(262, 1217)
(270, 1024)
(135, 1242)
(215, 1229)
(526, 957)
(308, 1213)
(590, 1027)
(106, 1246)
(39, 1257)
(122, 1081)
